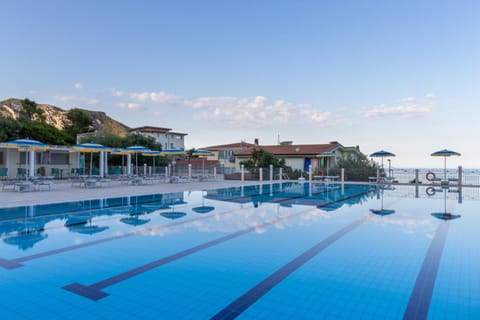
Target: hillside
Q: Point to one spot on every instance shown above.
(55, 116)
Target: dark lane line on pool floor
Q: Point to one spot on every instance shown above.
(241, 304)
(421, 296)
(94, 292)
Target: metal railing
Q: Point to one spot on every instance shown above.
(426, 176)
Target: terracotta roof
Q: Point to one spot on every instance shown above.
(298, 149)
(239, 145)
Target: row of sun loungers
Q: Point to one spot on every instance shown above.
(95, 181)
(27, 185)
(46, 183)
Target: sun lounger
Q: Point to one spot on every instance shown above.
(9, 185)
(24, 186)
(39, 183)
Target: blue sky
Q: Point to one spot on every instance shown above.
(397, 75)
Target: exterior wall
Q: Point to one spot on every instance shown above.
(167, 140)
(223, 157)
(12, 157)
(295, 163)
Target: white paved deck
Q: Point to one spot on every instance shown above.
(62, 191)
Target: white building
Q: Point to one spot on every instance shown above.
(164, 136)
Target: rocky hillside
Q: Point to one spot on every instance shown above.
(55, 116)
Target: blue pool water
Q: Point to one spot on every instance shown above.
(278, 251)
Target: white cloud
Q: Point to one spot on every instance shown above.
(77, 100)
(317, 116)
(117, 93)
(429, 95)
(244, 111)
(78, 85)
(403, 111)
(407, 108)
(254, 111)
(160, 97)
(408, 100)
(240, 111)
(131, 106)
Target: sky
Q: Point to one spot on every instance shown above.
(403, 76)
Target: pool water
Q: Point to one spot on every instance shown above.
(277, 251)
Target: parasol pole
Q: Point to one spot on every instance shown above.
(445, 168)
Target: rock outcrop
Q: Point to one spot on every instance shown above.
(57, 117)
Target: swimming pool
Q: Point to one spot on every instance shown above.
(277, 251)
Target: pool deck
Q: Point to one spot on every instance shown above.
(63, 190)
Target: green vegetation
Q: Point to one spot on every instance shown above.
(262, 159)
(30, 109)
(9, 129)
(356, 169)
(114, 141)
(32, 125)
(45, 133)
(79, 122)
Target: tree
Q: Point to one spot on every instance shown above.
(9, 129)
(262, 159)
(357, 168)
(45, 133)
(80, 122)
(30, 108)
(114, 141)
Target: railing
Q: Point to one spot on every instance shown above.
(467, 177)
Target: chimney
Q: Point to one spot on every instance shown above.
(256, 141)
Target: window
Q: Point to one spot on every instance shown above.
(59, 158)
(1, 157)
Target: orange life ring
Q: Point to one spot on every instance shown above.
(430, 176)
(430, 191)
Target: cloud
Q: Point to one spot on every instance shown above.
(160, 97)
(239, 111)
(131, 106)
(117, 93)
(407, 108)
(77, 100)
(317, 116)
(255, 111)
(403, 111)
(78, 85)
(429, 95)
